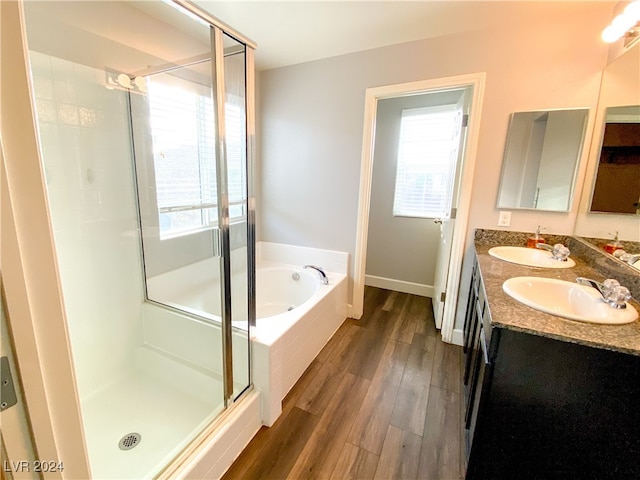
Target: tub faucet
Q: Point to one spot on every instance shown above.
(323, 275)
(614, 294)
(558, 251)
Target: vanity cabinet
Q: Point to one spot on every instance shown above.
(545, 408)
(476, 355)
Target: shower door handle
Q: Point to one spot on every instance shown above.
(216, 241)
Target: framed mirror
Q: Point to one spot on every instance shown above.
(541, 157)
(617, 183)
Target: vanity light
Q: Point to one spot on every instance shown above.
(625, 24)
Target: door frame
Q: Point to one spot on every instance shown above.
(372, 96)
(35, 311)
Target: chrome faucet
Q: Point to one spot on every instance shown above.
(614, 294)
(629, 258)
(558, 251)
(323, 275)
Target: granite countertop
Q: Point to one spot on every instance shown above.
(509, 313)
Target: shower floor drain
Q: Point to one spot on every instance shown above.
(129, 441)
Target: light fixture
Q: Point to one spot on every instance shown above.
(626, 24)
(122, 81)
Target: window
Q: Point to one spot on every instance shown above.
(427, 157)
(183, 136)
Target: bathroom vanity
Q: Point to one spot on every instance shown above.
(546, 397)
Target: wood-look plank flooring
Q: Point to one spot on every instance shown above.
(381, 401)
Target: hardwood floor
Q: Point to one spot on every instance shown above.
(381, 401)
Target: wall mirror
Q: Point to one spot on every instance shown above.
(620, 88)
(617, 183)
(541, 158)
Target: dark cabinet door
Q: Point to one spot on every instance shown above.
(476, 356)
(479, 360)
(471, 303)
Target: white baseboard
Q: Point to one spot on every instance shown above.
(399, 285)
(458, 337)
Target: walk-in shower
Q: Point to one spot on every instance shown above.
(144, 114)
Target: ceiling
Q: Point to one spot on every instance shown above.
(296, 31)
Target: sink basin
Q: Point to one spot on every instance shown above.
(531, 257)
(567, 299)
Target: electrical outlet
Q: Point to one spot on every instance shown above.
(504, 219)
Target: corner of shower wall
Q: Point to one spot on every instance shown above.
(188, 340)
(92, 206)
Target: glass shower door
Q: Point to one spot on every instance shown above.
(240, 230)
(131, 124)
(190, 140)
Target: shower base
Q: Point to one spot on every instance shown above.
(164, 401)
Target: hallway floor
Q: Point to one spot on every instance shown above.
(381, 401)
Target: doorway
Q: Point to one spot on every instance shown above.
(453, 248)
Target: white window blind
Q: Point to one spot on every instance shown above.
(427, 156)
(183, 136)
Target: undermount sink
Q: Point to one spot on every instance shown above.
(567, 299)
(531, 257)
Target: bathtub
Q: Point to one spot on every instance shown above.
(295, 327)
(195, 288)
(281, 288)
(296, 315)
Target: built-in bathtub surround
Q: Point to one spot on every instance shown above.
(330, 260)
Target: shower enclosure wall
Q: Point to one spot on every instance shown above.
(144, 118)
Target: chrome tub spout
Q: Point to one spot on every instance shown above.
(323, 275)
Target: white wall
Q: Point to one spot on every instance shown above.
(312, 117)
(84, 136)
(399, 248)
